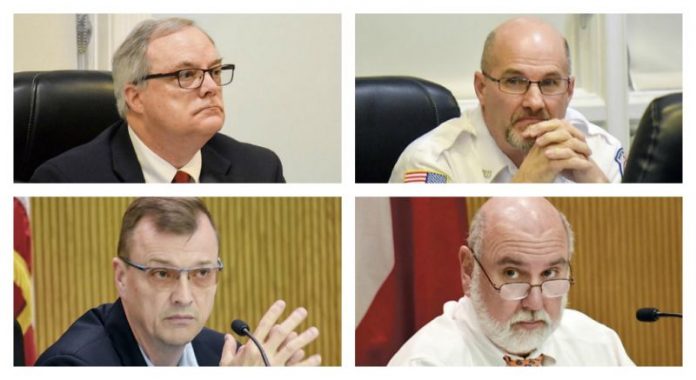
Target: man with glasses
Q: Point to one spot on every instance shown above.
(166, 275)
(168, 78)
(515, 274)
(522, 130)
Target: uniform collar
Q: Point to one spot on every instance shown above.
(496, 167)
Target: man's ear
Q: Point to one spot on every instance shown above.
(132, 96)
(466, 267)
(479, 86)
(119, 275)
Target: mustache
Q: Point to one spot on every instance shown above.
(530, 316)
(541, 115)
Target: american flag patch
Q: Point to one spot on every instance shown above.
(423, 176)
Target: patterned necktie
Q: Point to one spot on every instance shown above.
(529, 362)
(182, 177)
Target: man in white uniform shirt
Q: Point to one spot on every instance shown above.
(515, 275)
(522, 130)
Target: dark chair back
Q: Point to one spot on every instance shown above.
(656, 151)
(391, 112)
(55, 111)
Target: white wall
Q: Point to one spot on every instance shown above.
(44, 42)
(286, 93)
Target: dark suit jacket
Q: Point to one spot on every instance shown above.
(102, 337)
(110, 158)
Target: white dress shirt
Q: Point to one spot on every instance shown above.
(462, 150)
(158, 170)
(188, 357)
(455, 338)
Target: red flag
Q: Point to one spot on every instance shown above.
(23, 283)
(421, 275)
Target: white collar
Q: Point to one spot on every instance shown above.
(188, 357)
(158, 170)
(496, 161)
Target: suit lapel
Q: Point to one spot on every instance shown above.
(215, 167)
(122, 337)
(125, 163)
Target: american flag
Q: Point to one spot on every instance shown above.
(423, 176)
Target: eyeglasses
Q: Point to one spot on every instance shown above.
(520, 85)
(193, 78)
(514, 291)
(167, 278)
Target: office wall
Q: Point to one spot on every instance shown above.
(272, 248)
(628, 255)
(54, 34)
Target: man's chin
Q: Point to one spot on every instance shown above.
(523, 341)
(518, 142)
(180, 337)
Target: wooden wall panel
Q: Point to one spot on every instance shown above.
(628, 254)
(273, 248)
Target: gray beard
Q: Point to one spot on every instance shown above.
(516, 141)
(502, 334)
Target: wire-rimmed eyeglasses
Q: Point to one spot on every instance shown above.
(193, 78)
(168, 277)
(515, 291)
(519, 85)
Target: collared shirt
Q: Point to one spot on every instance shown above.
(158, 170)
(463, 150)
(188, 357)
(455, 338)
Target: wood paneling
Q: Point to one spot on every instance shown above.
(628, 254)
(273, 248)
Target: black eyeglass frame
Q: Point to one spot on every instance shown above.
(570, 280)
(176, 74)
(529, 84)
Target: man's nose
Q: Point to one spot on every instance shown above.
(533, 98)
(182, 292)
(209, 84)
(534, 300)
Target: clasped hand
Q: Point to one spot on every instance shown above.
(558, 147)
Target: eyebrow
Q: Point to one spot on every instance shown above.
(169, 264)
(519, 263)
(189, 65)
(516, 72)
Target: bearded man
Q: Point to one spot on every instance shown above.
(516, 274)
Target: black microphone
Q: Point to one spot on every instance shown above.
(242, 329)
(650, 314)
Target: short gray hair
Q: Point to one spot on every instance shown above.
(477, 228)
(130, 64)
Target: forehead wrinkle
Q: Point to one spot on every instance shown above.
(515, 241)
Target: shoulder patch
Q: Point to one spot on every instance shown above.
(424, 176)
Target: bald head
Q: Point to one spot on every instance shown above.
(531, 216)
(524, 36)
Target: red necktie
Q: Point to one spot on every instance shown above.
(182, 177)
(529, 362)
